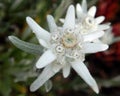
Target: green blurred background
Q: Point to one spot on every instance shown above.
(17, 70)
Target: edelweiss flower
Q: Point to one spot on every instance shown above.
(65, 47)
(86, 21)
(87, 24)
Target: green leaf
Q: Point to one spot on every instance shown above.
(25, 46)
(5, 86)
(62, 8)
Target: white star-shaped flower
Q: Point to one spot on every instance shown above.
(87, 24)
(86, 21)
(65, 47)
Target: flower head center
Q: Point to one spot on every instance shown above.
(69, 40)
(88, 23)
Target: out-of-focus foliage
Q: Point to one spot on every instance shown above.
(17, 67)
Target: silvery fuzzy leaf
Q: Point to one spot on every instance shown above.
(25, 46)
(16, 4)
(48, 85)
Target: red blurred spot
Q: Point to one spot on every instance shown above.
(108, 8)
(116, 29)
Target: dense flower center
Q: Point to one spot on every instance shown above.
(69, 40)
(67, 43)
(89, 22)
(87, 25)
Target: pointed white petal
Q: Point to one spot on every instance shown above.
(56, 67)
(62, 20)
(98, 41)
(45, 59)
(84, 6)
(51, 23)
(108, 23)
(46, 74)
(48, 85)
(79, 10)
(70, 18)
(43, 43)
(103, 27)
(92, 36)
(94, 47)
(39, 32)
(99, 19)
(82, 71)
(66, 70)
(92, 11)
